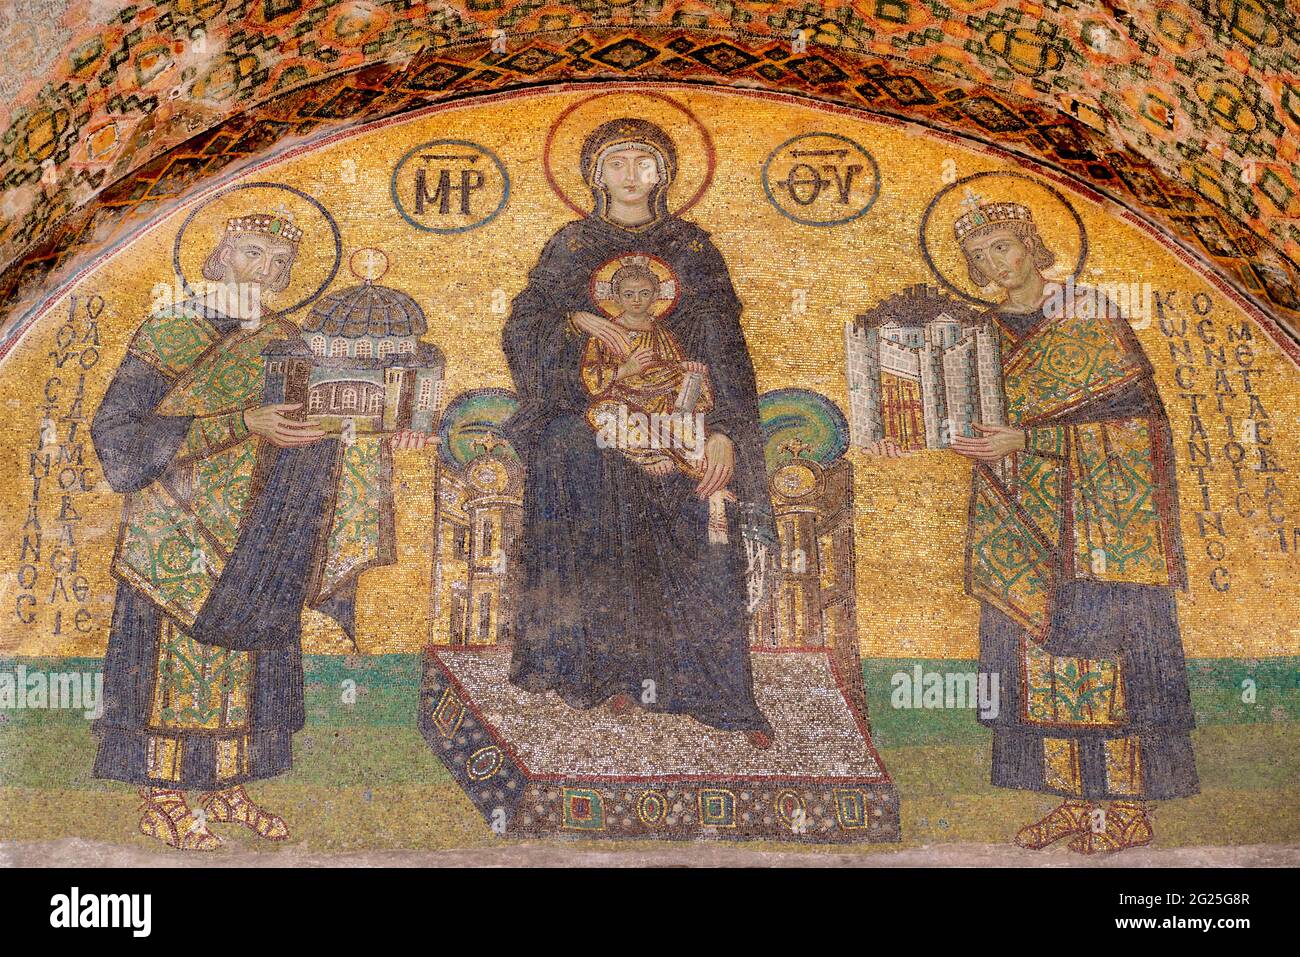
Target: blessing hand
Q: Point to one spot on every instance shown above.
(995, 443)
(636, 363)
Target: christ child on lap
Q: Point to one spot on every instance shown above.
(646, 398)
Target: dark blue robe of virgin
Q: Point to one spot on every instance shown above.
(621, 590)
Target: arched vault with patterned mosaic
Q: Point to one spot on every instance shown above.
(1183, 112)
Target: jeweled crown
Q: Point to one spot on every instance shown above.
(982, 215)
(279, 224)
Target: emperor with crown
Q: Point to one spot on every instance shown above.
(237, 513)
(1074, 553)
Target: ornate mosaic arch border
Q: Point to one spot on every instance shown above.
(835, 76)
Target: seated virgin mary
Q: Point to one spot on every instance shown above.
(623, 596)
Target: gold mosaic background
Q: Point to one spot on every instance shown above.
(911, 512)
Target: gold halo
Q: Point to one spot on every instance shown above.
(319, 249)
(695, 156)
(603, 295)
(1058, 224)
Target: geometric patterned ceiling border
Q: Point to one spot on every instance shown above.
(1248, 262)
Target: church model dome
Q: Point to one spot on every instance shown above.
(363, 358)
(366, 310)
(361, 324)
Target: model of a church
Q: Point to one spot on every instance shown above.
(360, 359)
(921, 367)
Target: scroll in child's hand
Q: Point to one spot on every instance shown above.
(689, 394)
